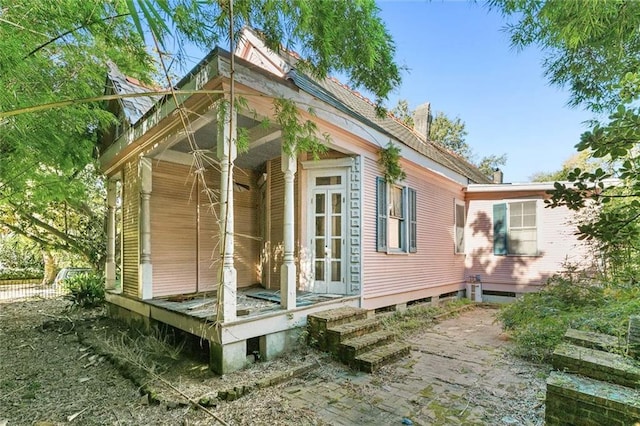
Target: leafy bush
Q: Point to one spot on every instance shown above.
(539, 320)
(20, 273)
(17, 252)
(85, 290)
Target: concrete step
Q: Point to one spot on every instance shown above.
(596, 364)
(318, 323)
(578, 400)
(351, 348)
(339, 333)
(590, 339)
(374, 359)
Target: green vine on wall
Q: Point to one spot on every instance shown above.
(390, 162)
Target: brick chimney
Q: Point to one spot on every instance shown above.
(422, 119)
(498, 176)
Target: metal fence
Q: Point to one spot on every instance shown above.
(28, 289)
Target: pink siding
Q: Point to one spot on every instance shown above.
(557, 244)
(434, 269)
(185, 235)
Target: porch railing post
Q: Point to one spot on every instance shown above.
(227, 152)
(288, 269)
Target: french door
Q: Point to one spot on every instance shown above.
(328, 235)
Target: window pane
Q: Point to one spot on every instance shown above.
(336, 248)
(319, 203)
(336, 204)
(320, 226)
(328, 180)
(320, 248)
(336, 225)
(523, 241)
(460, 215)
(529, 213)
(394, 233)
(396, 202)
(336, 268)
(319, 272)
(459, 240)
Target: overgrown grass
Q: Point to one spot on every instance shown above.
(419, 316)
(538, 321)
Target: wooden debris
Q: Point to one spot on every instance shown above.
(75, 416)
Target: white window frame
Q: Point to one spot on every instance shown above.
(509, 204)
(456, 204)
(406, 220)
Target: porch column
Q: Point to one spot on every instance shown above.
(227, 152)
(145, 270)
(110, 263)
(288, 269)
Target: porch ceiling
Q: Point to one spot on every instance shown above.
(264, 143)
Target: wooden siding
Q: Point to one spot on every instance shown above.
(173, 229)
(130, 229)
(185, 232)
(247, 241)
(276, 198)
(434, 268)
(557, 244)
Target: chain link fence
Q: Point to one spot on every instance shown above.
(21, 289)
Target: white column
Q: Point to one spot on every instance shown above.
(288, 269)
(145, 270)
(110, 263)
(227, 152)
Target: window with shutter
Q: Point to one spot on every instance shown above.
(515, 228)
(413, 221)
(396, 218)
(381, 214)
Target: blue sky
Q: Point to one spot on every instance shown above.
(461, 61)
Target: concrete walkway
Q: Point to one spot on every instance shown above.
(458, 373)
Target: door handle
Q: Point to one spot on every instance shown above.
(327, 252)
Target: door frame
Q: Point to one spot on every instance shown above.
(313, 170)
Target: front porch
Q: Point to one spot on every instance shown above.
(260, 326)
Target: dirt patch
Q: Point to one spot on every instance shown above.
(55, 364)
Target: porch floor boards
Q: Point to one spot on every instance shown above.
(251, 302)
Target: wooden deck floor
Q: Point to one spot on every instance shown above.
(250, 303)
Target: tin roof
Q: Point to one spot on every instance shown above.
(135, 107)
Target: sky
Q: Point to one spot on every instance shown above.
(460, 60)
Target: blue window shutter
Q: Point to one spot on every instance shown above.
(413, 221)
(500, 229)
(381, 214)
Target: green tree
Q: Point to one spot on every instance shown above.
(488, 164)
(403, 113)
(57, 51)
(593, 49)
(52, 51)
(581, 160)
(451, 133)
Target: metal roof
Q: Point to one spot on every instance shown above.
(357, 106)
(134, 108)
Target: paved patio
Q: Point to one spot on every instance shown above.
(458, 373)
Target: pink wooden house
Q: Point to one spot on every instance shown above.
(303, 235)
